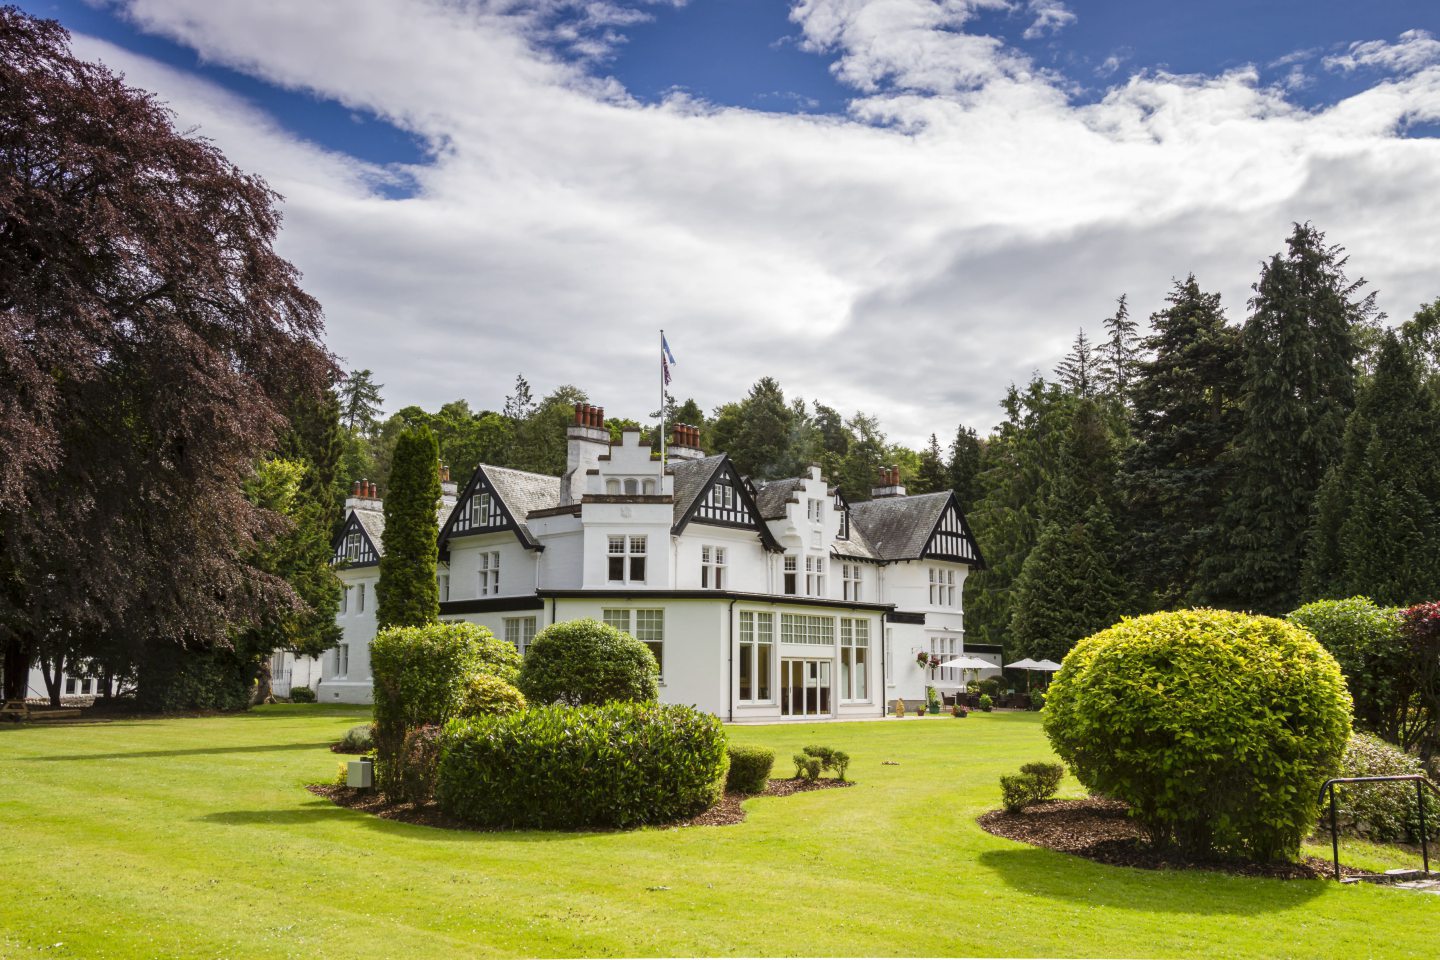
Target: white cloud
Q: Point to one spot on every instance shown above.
(1415, 50)
(910, 259)
(1051, 16)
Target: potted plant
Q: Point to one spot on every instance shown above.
(932, 700)
(959, 710)
(986, 704)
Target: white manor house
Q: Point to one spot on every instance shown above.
(760, 601)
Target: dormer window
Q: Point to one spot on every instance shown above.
(352, 546)
(481, 506)
(722, 495)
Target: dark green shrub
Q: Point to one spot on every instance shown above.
(557, 767)
(415, 773)
(801, 762)
(588, 662)
(823, 754)
(1047, 776)
(807, 767)
(1365, 640)
(1382, 812)
(990, 686)
(358, 739)
(170, 679)
(421, 675)
(488, 696)
(986, 704)
(1217, 728)
(1037, 701)
(749, 768)
(840, 761)
(837, 760)
(302, 695)
(407, 594)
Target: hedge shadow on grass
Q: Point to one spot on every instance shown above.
(306, 815)
(1059, 876)
(196, 752)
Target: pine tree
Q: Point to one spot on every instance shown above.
(932, 475)
(1077, 372)
(407, 594)
(964, 467)
(360, 401)
(1300, 352)
(1070, 584)
(1174, 477)
(868, 452)
(756, 431)
(1377, 517)
(1119, 356)
(519, 405)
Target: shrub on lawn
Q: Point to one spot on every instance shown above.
(1383, 812)
(415, 773)
(749, 768)
(489, 696)
(559, 767)
(986, 704)
(806, 766)
(837, 760)
(357, 739)
(588, 662)
(421, 677)
(1047, 776)
(1365, 640)
(1216, 727)
(1037, 701)
(1035, 783)
(302, 695)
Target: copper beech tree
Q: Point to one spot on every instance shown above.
(150, 338)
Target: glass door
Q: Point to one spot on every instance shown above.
(805, 687)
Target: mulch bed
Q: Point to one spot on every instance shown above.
(353, 752)
(1101, 830)
(724, 813)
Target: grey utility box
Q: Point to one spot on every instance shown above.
(360, 773)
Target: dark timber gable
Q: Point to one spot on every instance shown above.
(727, 500)
(480, 509)
(951, 538)
(353, 547)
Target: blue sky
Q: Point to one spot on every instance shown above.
(897, 206)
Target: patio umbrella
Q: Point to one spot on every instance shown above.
(1027, 665)
(968, 663)
(1049, 666)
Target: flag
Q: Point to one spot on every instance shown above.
(666, 358)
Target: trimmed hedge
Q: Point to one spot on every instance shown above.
(487, 696)
(302, 695)
(1383, 812)
(588, 662)
(558, 767)
(749, 768)
(1365, 640)
(1216, 727)
(1035, 783)
(421, 678)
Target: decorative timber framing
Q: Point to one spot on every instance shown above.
(480, 509)
(951, 539)
(353, 547)
(727, 500)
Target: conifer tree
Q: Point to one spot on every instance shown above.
(1299, 350)
(1078, 371)
(964, 467)
(1377, 519)
(1119, 356)
(407, 594)
(1070, 584)
(756, 431)
(360, 401)
(932, 476)
(1174, 476)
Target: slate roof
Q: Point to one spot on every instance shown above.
(373, 522)
(898, 528)
(691, 476)
(772, 497)
(856, 546)
(522, 493)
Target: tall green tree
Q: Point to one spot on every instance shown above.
(755, 432)
(1079, 371)
(868, 452)
(1175, 476)
(1377, 519)
(360, 401)
(408, 594)
(1071, 584)
(964, 467)
(932, 475)
(1118, 357)
(540, 445)
(1300, 350)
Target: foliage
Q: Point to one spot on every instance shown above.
(421, 678)
(358, 738)
(414, 778)
(807, 766)
(151, 341)
(1420, 631)
(1173, 478)
(959, 710)
(1365, 640)
(1217, 728)
(302, 694)
(1377, 514)
(749, 768)
(486, 695)
(1035, 783)
(830, 759)
(754, 431)
(559, 767)
(933, 475)
(407, 594)
(172, 679)
(964, 467)
(1299, 349)
(1037, 701)
(360, 401)
(1382, 812)
(986, 703)
(588, 662)
(1117, 358)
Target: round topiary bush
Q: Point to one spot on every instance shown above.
(559, 767)
(1217, 728)
(487, 696)
(586, 661)
(1383, 812)
(749, 769)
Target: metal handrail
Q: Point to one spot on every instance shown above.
(1421, 781)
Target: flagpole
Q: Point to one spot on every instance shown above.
(662, 399)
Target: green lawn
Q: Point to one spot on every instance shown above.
(196, 838)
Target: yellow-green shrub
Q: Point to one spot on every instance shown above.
(1216, 727)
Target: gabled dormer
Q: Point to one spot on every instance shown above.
(498, 499)
(712, 492)
(355, 547)
(951, 539)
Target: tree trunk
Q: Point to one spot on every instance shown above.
(52, 683)
(262, 692)
(17, 668)
(107, 684)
